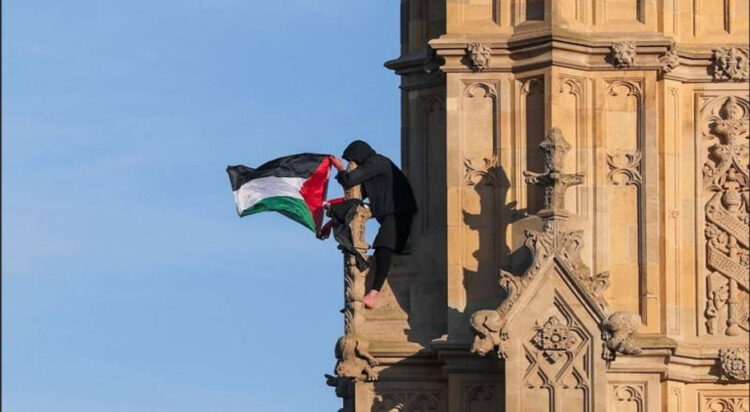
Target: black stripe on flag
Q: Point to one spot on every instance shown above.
(299, 165)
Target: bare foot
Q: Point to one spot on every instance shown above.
(369, 299)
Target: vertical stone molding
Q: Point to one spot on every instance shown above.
(626, 223)
(530, 126)
(573, 121)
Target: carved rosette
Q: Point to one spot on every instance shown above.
(730, 63)
(727, 217)
(482, 172)
(554, 339)
(622, 54)
(734, 364)
(478, 56)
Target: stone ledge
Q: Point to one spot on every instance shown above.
(561, 48)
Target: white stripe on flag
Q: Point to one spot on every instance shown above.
(256, 190)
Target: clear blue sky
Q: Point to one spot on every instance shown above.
(129, 282)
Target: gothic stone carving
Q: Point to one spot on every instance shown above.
(733, 363)
(474, 174)
(727, 214)
(353, 362)
(478, 56)
(554, 339)
(622, 54)
(557, 362)
(554, 242)
(724, 403)
(555, 182)
(629, 394)
(624, 167)
(618, 330)
(669, 61)
(730, 63)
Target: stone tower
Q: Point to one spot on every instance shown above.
(581, 168)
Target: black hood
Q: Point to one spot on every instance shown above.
(358, 151)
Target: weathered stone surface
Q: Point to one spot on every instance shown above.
(561, 289)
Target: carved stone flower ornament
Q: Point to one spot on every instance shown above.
(554, 339)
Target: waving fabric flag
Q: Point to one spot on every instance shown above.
(294, 186)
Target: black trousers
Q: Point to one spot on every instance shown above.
(391, 238)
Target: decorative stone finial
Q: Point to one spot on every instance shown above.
(732, 123)
(553, 180)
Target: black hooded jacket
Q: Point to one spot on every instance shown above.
(383, 183)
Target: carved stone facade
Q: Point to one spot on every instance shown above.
(607, 271)
(727, 216)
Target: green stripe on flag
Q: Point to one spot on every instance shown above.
(291, 207)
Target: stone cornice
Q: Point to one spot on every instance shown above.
(672, 360)
(560, 48)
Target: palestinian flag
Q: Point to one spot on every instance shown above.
(294, 186)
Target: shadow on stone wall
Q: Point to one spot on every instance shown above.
(494, 252)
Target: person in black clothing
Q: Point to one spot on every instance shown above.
(391, 201)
